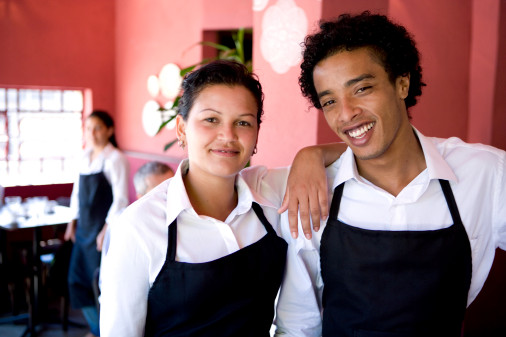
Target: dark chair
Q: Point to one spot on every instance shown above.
(55, 259)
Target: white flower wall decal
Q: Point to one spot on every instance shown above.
(164, 87)
(284, 27)
(259, 5)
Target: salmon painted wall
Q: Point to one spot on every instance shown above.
(59, 43)
(150, 34)
(499, 107)
(227, 14)
(483, 69)
(113, 46)
(442, 30)
(288, 124)
(462, 45)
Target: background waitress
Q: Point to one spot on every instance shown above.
(99, 195)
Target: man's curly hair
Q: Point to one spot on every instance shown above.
(392, 44)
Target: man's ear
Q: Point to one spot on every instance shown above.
(403, 86)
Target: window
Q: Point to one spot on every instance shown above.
(40, 135)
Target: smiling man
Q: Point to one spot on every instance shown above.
(414, 221)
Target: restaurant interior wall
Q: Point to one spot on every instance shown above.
(113, 46)
(59, 44)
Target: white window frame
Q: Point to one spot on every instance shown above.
(59, 163)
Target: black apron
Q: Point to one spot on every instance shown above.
(394, 283)
(95, 199)
(231, 296)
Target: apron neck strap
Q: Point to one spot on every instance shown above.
(336, 201)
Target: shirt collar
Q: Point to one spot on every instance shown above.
(178, 201)
(104, 153)
(437, 167)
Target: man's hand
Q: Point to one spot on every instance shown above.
(306, 190)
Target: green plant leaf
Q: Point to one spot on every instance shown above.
(186, 70)
(168, 145)
(165, 123)
(176, 102)
(215, 45)
(239, 44)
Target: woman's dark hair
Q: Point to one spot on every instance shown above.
(219, 72)
(392, 44)
(108, 121)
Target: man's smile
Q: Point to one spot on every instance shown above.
(360, 132)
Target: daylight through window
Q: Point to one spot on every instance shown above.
(40, 135)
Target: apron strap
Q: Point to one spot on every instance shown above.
(336, 201)
(450, 200)
(171, 247)
(445, 186)
(260, 214)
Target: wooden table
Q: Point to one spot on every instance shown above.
(61, 215)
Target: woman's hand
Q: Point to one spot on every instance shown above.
(70, 232)
(100, 237)
(306, 191)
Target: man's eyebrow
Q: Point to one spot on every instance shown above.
(347, 84)
(323, 93)
(358, 79)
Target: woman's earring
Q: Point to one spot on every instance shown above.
(181, 143)
(255, 150)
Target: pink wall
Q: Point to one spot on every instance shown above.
(148, 36)
(237, 14)
(483, 68)
(59, 43)
(112, 48)
(499, 114)
(288, 124)
(442, 30)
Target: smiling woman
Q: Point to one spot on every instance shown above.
(185, 239)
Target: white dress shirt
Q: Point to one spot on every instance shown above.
(477, 175)
(114, 164)
(138, 243)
